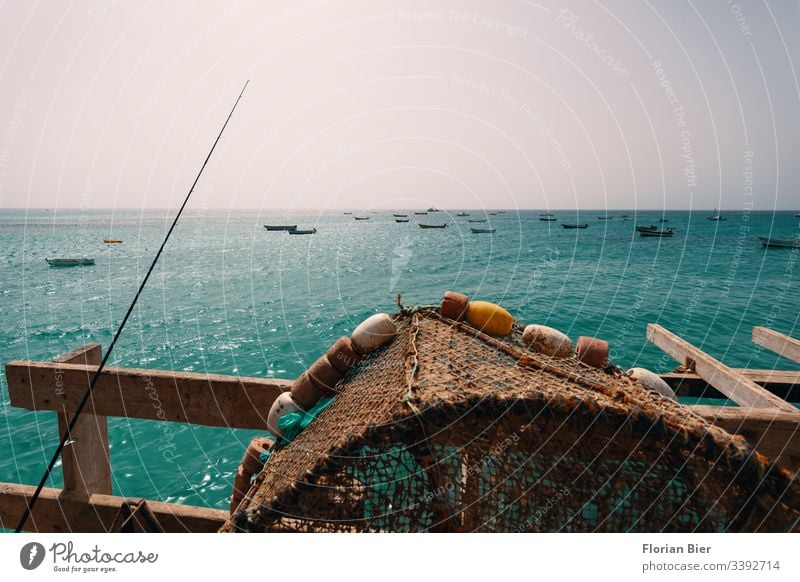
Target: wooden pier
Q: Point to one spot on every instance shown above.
(87, 504)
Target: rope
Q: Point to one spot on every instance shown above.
(73, 421)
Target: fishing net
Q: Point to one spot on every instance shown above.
(447, 429)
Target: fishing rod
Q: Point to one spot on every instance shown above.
(73, 421)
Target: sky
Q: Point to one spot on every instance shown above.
(353, 104)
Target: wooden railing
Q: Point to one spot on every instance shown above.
(86, 502)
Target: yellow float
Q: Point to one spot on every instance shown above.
(491, 319)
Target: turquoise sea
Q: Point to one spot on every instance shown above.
(230, 298)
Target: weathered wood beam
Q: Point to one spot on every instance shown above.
(774, 434)
(63, 511)
(784, 384)
(85, 460)
(744, 392)
(205, 399)
(783, 345)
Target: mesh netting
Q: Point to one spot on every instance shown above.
(447, 429)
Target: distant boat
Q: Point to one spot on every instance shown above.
(431, 209)
(301, 231)
(716, 217)
(657, 233)
(361, 217)
(348, 213)
(477, 220)
(779, 243)
(575, 225)
(547, 218)
(797, 215)
(401, 219)
(483, 230)
(604, 217)
(400, 215)
(463, 214)
(546, 214)
(624, 216)
(492, 214)
(69, 262)
(433, 225)
(280, 226)
(501, 212)
(421, 213)
(111, 241)
(646, 228)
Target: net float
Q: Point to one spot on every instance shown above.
(372, 333)
(283, 405)
(592, 351)
(324, 375)
(652, 382)
(306, 393)
(548, 341)
(342, 355)
(454, 305)
(491, 319)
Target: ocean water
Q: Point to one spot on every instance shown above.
(228, 297)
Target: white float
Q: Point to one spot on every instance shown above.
(652, 382)
(373, 332)
(283, 405)
(548, 341)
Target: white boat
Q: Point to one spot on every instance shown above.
(715, 217)
(70, 262)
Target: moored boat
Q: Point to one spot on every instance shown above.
(421, 213)
(604, 217)
(280, 226)
(779, 243)
(650, 228)
(477, 220)
(400, 215)
(483, 230)
(401, 219)
(463, 214)
(433, 225)
(361, 217)
(70, 262)
(716, 217)
(547, 219)
(575, 225)
(656, 233)
(303, 231)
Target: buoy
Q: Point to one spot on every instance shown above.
(372, 333)
(548, 341)
(489, 318)
(454, 305)
(652, 382)
(342, 355)
(284, 404)
(592, 351)
(324, 375)
(306, 393)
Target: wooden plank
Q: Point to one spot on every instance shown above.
(744, 392)
(207, 399)
(784, 384)
(63, 511)
(85, 461)
(783, 345)
(774, 434)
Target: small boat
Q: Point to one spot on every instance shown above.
(401, 219)
(280, 226)
(69, 262)
(112, 241)
(361, 217)
(716, 217)
(546, 214)
(547, 218)
(301, 231)
(463, 214)
(483, 230)
(604, 217)
(347, 213)
(657, 233)
(431, 209)
(433, 225)
(492, 214)
(477, 220)
(400, 215)
(779, 243)
(421, 213)
(575, 225)
(501, 212)
(650, 228)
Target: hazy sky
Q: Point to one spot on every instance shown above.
(671, 104)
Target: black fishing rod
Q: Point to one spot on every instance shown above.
(71, 426)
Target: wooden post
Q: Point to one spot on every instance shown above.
(742, 391)
(783, 345)
(85, 461)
